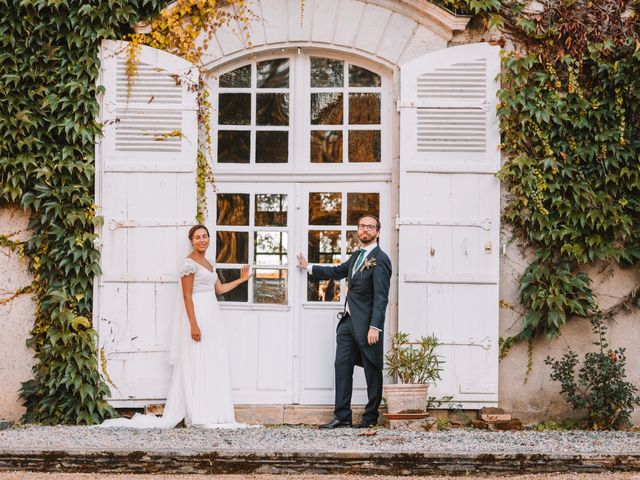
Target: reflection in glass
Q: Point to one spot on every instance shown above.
(273, 73)
(364, 145)
(238, 78)
(323, 290)
(325, 208)
(272, 147)
(232, 247)
(234, 146)
(270, 286)
(359, 204)
(234, 109)
(272, 109)
(233, 208)
(324, 246)
(238, 294)
(353, 244)
(271, 210)
(364, 108)
(361, 77)
(326, 109)
(270, 248)
(326, 146)
(326, 72)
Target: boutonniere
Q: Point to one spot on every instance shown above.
(369, 263)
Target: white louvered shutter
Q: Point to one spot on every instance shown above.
(146, 191)
(449, 214)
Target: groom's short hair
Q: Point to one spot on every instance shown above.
(369, 215)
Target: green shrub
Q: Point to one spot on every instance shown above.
(600, 386)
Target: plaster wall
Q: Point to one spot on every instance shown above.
(16, 316)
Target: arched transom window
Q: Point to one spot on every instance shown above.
(300, 110)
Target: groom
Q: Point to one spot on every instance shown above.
(360, 330)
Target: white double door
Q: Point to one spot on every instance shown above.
(281, 325)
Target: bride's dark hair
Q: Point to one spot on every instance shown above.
(195, 228)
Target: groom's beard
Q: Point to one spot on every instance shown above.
(366, 238)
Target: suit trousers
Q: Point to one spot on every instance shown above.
(348, 355)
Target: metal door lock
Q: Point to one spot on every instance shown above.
(488, 247)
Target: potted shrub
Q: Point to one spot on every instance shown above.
(413, 365)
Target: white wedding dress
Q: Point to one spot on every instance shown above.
(200, 389)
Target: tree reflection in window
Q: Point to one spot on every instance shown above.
(324, 247)
(325, 208)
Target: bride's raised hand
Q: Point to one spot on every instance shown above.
(245, 273)
(195, 332)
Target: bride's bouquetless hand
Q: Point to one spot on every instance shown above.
(245, 272)
(195, 332)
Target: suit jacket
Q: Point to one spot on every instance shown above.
(368, 296)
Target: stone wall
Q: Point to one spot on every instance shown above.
(16, 316)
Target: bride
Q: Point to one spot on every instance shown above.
(200, 389)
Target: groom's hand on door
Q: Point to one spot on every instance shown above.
(302, 262)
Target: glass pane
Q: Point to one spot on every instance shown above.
(361, 77)
(272, 147)
(238, 294)
(238, 78)
(359, 204)
(232, 247)
(270, 286)
(271, 248)
(234, 109)
(233, 209)
(273, 73)
(325, 208)
(326, 146)
(364, 108)
(326, 109)
(364, 145)
(271, 210)
(353, 244)
(326, 72)
(323, 290)
(272, 109)
(234, 146)
(324, 246)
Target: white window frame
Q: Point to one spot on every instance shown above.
(300, 116)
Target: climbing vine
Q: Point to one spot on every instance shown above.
(570, 121)
(48, 110)
(185, 29)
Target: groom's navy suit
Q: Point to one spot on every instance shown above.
(367, 298)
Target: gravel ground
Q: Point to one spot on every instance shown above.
(305, 439)
(82, 476)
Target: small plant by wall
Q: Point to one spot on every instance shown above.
(599, 387)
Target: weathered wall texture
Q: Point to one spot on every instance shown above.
(534, 397)
(16, 316)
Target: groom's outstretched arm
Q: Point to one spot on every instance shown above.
(321, 272)
(335, 272)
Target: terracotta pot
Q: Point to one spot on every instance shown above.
(406, 397)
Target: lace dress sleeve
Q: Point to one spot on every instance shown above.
(187, 268)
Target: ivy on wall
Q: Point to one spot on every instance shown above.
(48, 125)
(570, 122)
(185, 29)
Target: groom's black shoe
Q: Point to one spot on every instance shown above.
(335, 423)
(365, 424)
